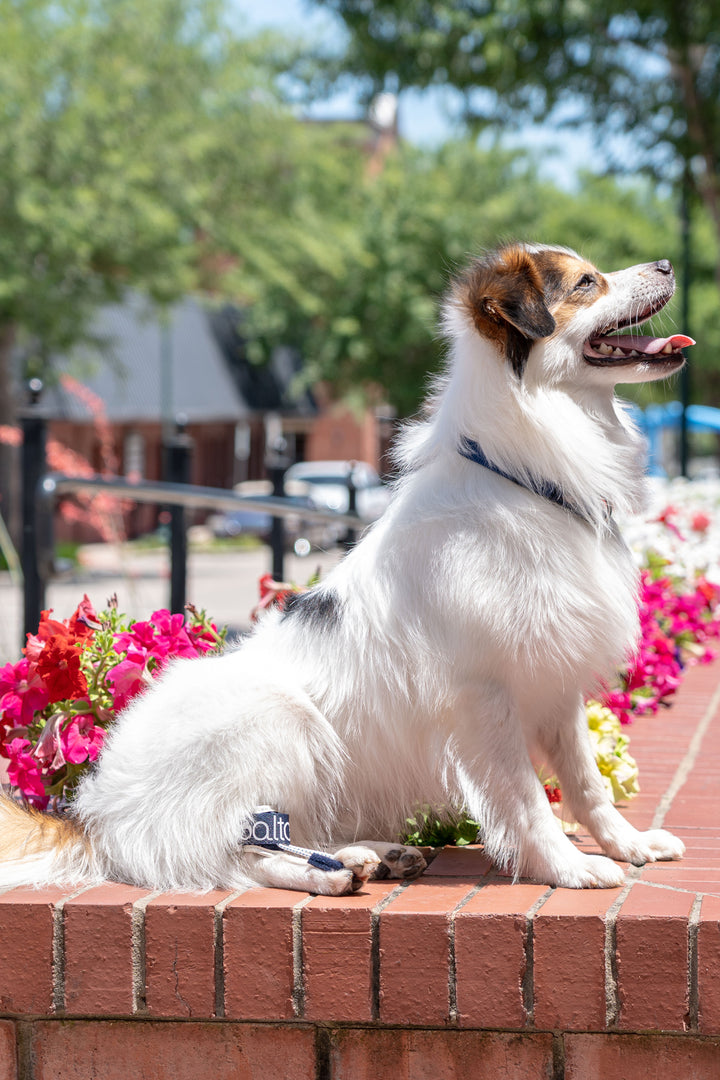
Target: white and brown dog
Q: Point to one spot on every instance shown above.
(449, 650)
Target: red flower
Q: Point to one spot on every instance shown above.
(84, 621)
(59, 668)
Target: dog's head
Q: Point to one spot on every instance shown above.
(523, 295)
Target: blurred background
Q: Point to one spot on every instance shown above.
(235, 220)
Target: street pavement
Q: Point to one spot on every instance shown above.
(224, 583)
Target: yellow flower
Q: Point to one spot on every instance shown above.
(618, 769)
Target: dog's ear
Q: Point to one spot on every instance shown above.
(505, 298)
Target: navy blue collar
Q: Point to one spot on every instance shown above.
(545, 488)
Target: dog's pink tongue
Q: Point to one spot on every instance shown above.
(650, 346)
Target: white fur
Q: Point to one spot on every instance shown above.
(471, 620)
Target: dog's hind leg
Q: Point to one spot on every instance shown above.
(586, 797)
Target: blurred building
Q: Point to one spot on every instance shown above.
(148, 371)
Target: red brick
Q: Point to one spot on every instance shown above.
(26, 949)
(708, 948)
(415, 952)
(143, 1050)
(8, 1059)
(490, 939)
(180, 954)
(258, 955)
(569, 960)
(469, 862)
(652, 959)
(440, 1055)
(98, 950)
(337, 954)
(641, 1057)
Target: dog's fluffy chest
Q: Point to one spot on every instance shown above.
(536, 589)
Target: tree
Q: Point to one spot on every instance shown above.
(644, 73)
(362, 302)
(132, 137)
(648, 68)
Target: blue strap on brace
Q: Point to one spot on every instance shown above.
(270, 830)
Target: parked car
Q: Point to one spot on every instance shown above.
(327, 485)
(301, 532)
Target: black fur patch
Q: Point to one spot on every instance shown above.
(319, 608)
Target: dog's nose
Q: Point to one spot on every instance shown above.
(664, 266)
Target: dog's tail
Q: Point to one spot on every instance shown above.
(41, 849)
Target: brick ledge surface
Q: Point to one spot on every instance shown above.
(462, 950)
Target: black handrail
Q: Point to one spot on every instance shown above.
(41, 489)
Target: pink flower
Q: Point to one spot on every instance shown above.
(172, 633)
(22, 693)
(700, 522)
(141, 636)
(81, 740)
(620, 704)
(24, 772)
(48, 750)
(127, 678)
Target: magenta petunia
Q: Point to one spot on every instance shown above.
(127, 679)
(24, 771)
(22, 693)
(81, 739)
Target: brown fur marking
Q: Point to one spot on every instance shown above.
(516, 296)
(24, 831)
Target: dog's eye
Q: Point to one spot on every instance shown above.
(585, 282)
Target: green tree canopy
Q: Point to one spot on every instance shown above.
(133, 137)
(645, 70)
(362, 301)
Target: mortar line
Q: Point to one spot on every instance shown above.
(298, 994)
(693, 1013)
(612, 996)
(219, 951)
(58, 948)
(452, 962)
(683, 770)
(137, 923)
(375, 947)
(528, 979)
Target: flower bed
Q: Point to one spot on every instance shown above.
(57, 703)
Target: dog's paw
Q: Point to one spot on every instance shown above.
(361, 861)
(589, 872)
(400, 861)
(332, 882)
(650, 846)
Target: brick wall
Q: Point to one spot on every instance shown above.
(461, 974)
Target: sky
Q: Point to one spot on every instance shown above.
(425, 118)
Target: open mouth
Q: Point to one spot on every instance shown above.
(611, 348)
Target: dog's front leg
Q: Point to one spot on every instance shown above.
(395, 860)
(500, 788)
(280, 870)
(584, 793)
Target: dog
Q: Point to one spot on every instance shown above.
(447, 653)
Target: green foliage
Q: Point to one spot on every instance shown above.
(650, 68)
(646, 75)
(436, 828)
(362, 275)
(127, 131)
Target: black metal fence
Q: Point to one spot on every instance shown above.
(41, 490)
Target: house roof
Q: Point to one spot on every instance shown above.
(143, 369)
(272, 387)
